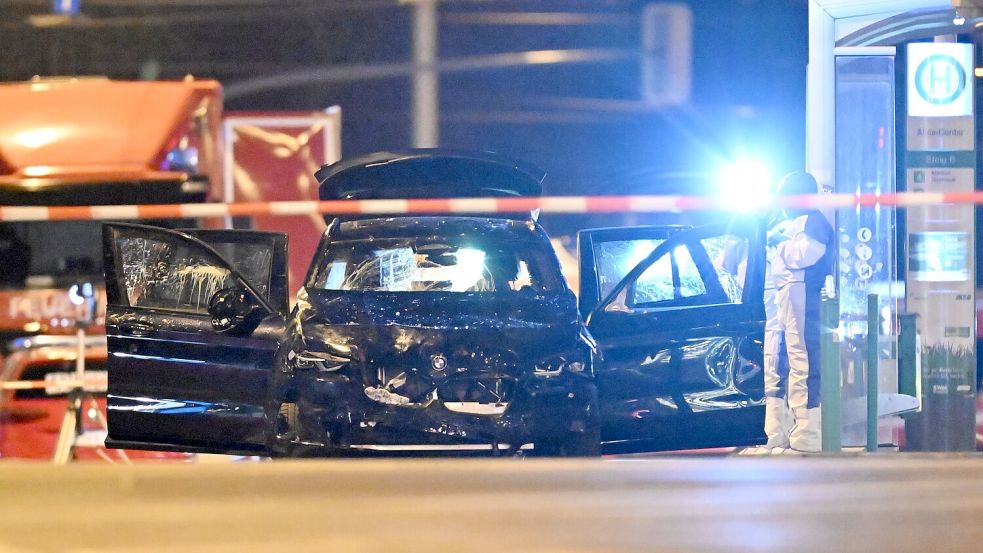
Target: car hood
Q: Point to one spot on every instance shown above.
(474, 331)
(428, 173)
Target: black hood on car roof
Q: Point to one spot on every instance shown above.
(428, 173)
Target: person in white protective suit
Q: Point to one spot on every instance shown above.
(799, 266)
(778, 417)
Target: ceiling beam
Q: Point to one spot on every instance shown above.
(854, 8)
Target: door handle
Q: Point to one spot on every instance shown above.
(136, 328)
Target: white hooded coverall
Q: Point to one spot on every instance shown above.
(799, 267)
(778, 418)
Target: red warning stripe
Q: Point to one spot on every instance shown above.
(42, 384)
(546, 204)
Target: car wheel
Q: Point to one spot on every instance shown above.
(285, 431)
(288, 419)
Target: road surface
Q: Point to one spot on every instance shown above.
(887, 502)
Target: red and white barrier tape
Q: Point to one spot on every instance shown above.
(62, 382)
(44, 384)
(547, 204)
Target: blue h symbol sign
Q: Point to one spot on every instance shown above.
(944, 80)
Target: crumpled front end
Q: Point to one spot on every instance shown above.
(467, 383)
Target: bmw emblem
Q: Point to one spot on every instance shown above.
(438, 362)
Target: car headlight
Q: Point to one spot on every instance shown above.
(319, 360)
(556, 365)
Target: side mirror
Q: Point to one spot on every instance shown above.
(233, 310)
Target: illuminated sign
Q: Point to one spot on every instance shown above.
(938, 256)
(939, 79)
(939, 277)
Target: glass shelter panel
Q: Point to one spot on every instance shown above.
(866, 164)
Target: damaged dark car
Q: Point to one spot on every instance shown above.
(436, 334)
(441, 334)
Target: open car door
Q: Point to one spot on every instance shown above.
(193, 322)
(680, 326)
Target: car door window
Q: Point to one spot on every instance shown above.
(253, 261)
(729, 256)
(161, 271)
(655, 284)
(259, 258)
(616, 258)
(688, 282)
(672, 277)
(706, 271)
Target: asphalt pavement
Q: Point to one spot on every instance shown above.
(884, 502)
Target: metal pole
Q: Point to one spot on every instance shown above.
(69, 431)
(71, 423)
(829, 355)
(80, 354)
(907, 377)
(425, 76)
(873, 330)
(908, 373)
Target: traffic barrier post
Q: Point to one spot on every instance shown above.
(873, 329)
(907, 360)
(829, 355)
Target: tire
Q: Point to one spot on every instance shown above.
(289, 417)
(285, 431)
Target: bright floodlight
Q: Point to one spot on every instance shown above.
(745, 185)
(470, 268)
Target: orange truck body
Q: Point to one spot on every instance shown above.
(88, 141)
(95, 141)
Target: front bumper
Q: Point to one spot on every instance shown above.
(339, 415)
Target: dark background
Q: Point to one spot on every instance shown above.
(581, 122)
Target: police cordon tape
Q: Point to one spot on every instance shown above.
(546, 204)
(38, 384)
(62, 382)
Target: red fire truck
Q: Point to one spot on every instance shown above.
(94, 141)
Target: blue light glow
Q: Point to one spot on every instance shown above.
(745, 184)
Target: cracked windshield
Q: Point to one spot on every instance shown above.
(442, 265)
